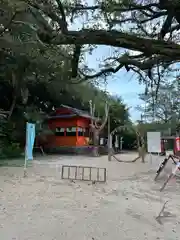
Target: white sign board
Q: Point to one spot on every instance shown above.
(116, 142)
(154, 142)
(101, 141)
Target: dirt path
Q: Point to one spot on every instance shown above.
(43, 206)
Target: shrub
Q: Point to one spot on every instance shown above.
(11, 151)
(9, 148)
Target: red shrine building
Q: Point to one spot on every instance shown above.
(71, 128)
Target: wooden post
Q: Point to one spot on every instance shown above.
(109, 139)
(121, 142)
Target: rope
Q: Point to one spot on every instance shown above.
(132, 161)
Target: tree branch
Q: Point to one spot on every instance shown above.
(47, 9)
(114, 7)
(63, 23)
(8, 24)
(104, 71)
(105, 117)
(129, 62)
(75, 60)
(154, 16)
(156, 49)
(136, 20)
(115, 39)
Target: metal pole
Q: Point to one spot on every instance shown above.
(25, 159)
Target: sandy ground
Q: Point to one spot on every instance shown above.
(43, 206)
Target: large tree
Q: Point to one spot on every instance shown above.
(149, 27)
(162, 106)
(24, 60)
(36, 76)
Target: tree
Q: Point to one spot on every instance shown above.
(164, 106)
(24, 60)
(146, 27)
(96, 126)
(36, 75)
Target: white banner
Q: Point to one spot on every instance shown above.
(154, 142)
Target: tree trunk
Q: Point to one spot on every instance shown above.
(95, 143)
(141, 152)
(141, 147)
(13, 104)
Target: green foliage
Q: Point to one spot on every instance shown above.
(9, 147)
(35, 77)
(11, 151)
(129, 140)
(37, 58)
(164, 105)
(161, 109)
(165, 128)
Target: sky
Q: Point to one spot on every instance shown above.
(122, 83)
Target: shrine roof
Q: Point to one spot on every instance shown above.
(73, 113)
